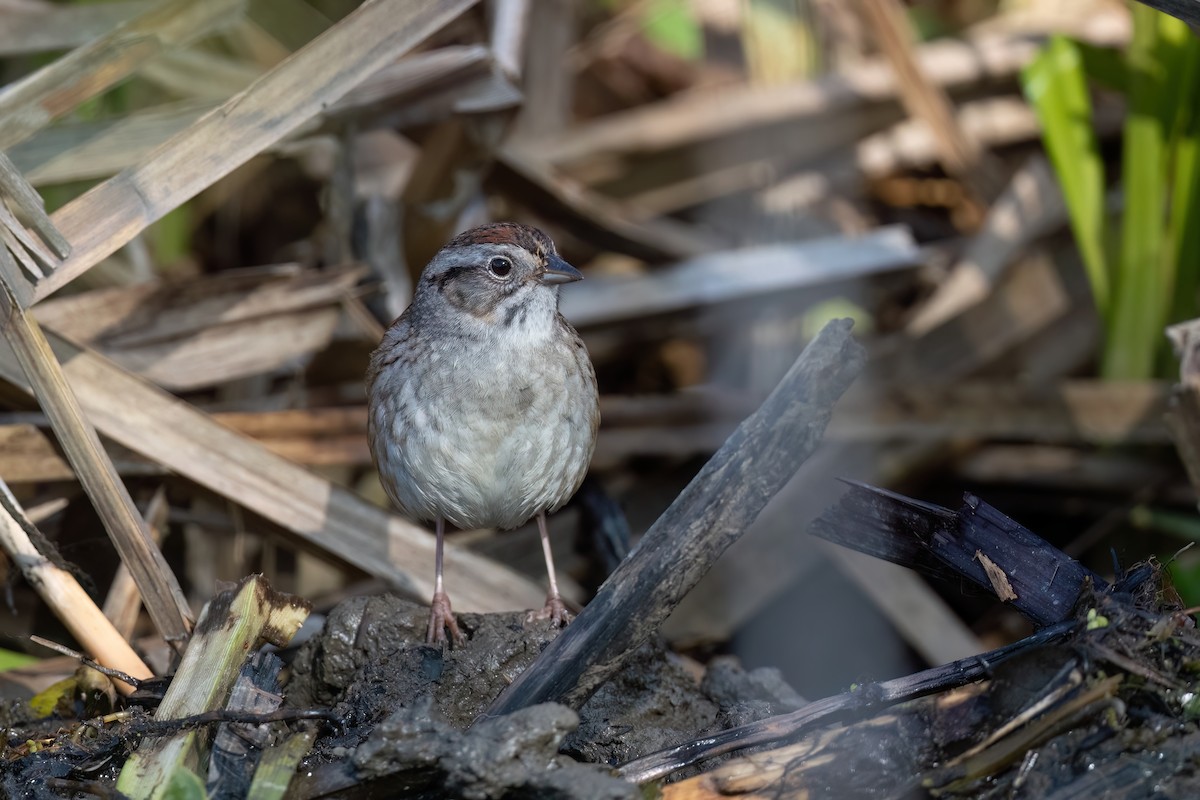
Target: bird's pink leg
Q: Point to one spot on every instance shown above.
(554, 610)
(441, 617)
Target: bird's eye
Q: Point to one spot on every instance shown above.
(499, 266)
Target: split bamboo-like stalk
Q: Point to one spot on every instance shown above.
(234, 623)
(68, 600)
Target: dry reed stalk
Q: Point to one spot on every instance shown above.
(68, 600)
(164, 599)
(124, 601)
(111, 214)
(30, 104)
(960, 154)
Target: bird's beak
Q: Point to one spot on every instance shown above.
(558, 271)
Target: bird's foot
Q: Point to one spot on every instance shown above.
(441, 619)
(554, 610)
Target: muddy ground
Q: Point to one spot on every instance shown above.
(407, 706)
(1109, 711)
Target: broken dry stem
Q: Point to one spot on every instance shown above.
(708, 516)
(234, 623)
(124, 602)
(278, 765)
(68, 600)
(14, 186)
(160, 590)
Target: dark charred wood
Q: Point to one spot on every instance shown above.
(976, 542)
(862, 702)
(708, 516)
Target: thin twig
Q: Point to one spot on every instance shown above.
(87, 662)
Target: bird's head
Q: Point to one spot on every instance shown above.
(503, 274)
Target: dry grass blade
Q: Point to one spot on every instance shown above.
(29, 105)
(203, 332)
(123, 603)
(96, 149)
(66, 598)
(29, 455)
(111, 214)
(39, 27)
(163, 597)
(131, 316)
(14, 186)
(961, 155)
(399, 85)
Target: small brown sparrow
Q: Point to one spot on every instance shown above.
(482, 400)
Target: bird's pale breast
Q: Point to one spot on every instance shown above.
(485, 434)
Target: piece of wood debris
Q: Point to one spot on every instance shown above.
(708, 516)
(234, 623)
(1000, 583)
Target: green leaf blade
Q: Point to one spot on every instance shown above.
(1056, 86)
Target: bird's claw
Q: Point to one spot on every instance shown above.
(554, 610)
(441, 619)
